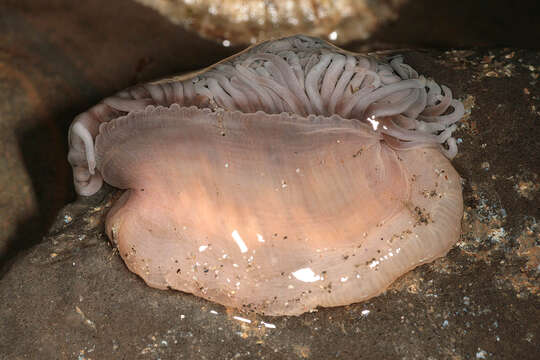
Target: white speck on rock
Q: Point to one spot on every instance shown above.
(481, 354)
(445, 324)
(268, 325)
(239, 318)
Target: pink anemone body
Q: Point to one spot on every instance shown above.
(290, 176)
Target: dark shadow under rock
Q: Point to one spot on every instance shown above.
(71, 296)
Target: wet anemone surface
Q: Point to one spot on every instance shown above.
(291, 176)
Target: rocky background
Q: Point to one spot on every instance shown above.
(65, 294)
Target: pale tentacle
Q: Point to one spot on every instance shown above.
(297, 75)
(85, 128)
(345, 78)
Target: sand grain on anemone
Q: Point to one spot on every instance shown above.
(291, 176)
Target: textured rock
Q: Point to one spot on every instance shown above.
(250, 21)
(72, 296)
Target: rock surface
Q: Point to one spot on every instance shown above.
(71, 295)
(251, 21)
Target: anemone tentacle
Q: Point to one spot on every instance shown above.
(299, 75)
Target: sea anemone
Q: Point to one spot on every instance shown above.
(290, 176)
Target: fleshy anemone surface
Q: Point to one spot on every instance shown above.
(290, 176)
